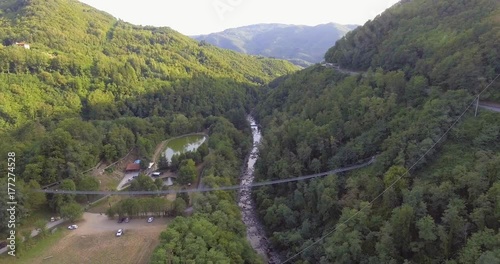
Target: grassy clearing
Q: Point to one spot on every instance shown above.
(37, 249)
(103, 205)
(133, 247)
(109, 180)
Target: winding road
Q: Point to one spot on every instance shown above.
(339, 69)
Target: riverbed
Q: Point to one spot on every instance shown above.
(255, 231)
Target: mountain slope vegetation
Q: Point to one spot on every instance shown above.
(81, 51)
(451, 44)
(302, 45)
(444, 206)
(92, 88)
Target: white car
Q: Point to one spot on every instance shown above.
(119, 232)
(150, 219)
(72, 227)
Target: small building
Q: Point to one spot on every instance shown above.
(133, 167)
(22, 44)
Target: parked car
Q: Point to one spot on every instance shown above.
(126, 220)
(52, 219)
(121, 219)
(119, 232)
(150, 219)
(72, 227)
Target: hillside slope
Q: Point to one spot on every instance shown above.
(445, 209)
(92, 88)
(77, 51)
(302, 45)
(453, 44)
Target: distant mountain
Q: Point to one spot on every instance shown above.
(302, 45)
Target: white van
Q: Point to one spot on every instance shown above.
(156, 174)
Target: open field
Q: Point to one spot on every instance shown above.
(95, 242)
(135, 246)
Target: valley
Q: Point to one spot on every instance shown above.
(377, 143)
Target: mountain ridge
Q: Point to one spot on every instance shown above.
(304, 45)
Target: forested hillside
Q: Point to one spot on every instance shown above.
(80, 54)
(90, 88)
(302, 45)
(85, 65)
(451, 43)
(445, 209)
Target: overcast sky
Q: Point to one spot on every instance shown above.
(192, 17)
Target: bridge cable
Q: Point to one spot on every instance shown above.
(221, 188)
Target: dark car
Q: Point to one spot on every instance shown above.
(121, 219)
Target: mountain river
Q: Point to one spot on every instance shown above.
(255, 230)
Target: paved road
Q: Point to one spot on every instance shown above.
(49, 226)
(337, 67)
(495, 108)
(35, 232)
(125, 181)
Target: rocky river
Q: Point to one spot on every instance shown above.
(255, 230)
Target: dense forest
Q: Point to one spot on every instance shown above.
(423, 62)
(451, 43)
(91, 88)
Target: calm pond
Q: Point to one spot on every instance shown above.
(183, 144)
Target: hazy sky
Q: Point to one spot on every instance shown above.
(192, 17)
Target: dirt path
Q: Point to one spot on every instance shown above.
(158, 151)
